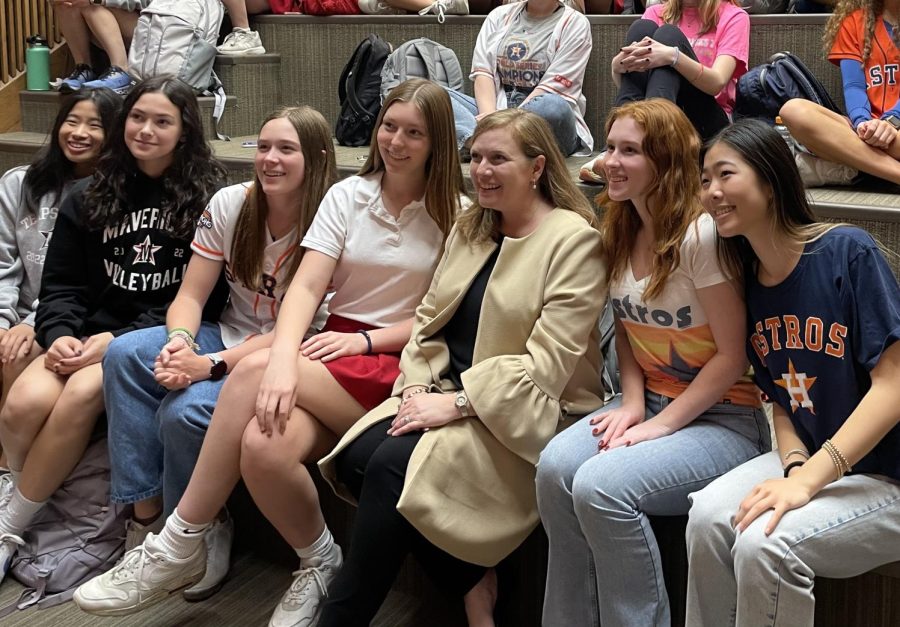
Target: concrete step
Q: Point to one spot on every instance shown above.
(256, 81)
(39, 110)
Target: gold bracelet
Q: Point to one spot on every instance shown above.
(840, 455)
(420, 390)
(837, 458)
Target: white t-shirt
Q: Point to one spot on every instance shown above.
(670, 334)
(248, 312)
(523, 58)
(384, 264)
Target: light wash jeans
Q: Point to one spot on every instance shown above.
(749, 579)
(554, 109)
(604, 564)
(154, 434)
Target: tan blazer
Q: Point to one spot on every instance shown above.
(469, 486)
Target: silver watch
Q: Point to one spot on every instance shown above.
(462, 403)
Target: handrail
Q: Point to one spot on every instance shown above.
(19, 19)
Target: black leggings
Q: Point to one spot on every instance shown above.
(373, 467)
(665, 82)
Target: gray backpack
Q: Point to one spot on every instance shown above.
(77, 535)
(178, 37)
(421, 58)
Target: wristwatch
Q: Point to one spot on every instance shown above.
(462, 404)
(893, 120)
(98, 3)
(219, 368)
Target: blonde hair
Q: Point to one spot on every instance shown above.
(555, 185)
(320, 173)
(708, 10)
(672, 147)
(871, 9)
(444, 184)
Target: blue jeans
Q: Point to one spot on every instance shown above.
(154, 434)
(752, 579)
(604, 564)
(554, 109)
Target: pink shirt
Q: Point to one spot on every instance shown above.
(731, 36)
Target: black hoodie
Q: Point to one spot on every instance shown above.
(118, 278)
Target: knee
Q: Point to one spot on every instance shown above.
(669, 34)
(597, 492)
(640, 29)
(555, 471)
(708, 517)
(254, 363)
(755, 552)
(798, 114)
(18, 410)
(552, 108)
(178, 417)
(259, 457)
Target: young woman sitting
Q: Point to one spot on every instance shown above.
(688, 412)
(824, 314)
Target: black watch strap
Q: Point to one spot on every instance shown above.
(893, 120)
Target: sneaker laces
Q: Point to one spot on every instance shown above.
(7, 488)
(80, 72)
(438, 6)
(305, 577)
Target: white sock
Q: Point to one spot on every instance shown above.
(179, 538)
(241, 30)
(18, 513)
(322, 551)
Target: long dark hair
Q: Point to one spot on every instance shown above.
(50, 171)
(186, 185)
(765, 151)
(249, 244)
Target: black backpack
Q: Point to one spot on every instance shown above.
(764, 89)
(359, 91)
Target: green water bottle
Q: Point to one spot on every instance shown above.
(37, 64)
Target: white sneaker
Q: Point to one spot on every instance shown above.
(136, 533)
(374, 7)
(592, 171)
(219, 538)
(146, 575)
(300, 604)
(9, 544)
(446, 7)
(239, 43)
(7, 487)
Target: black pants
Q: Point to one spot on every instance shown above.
(665, 82)
(373, 467)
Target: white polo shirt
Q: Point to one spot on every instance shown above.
(384, 264)
(248, 312)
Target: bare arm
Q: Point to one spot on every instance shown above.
(485, 94)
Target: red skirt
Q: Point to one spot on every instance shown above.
(367, 378)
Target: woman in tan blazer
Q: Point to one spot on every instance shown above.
(503, 350)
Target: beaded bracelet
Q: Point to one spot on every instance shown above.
(365, 334)
(837, 458)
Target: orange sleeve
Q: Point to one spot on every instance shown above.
(848, 43)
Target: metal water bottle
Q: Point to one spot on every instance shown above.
(37, 64)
